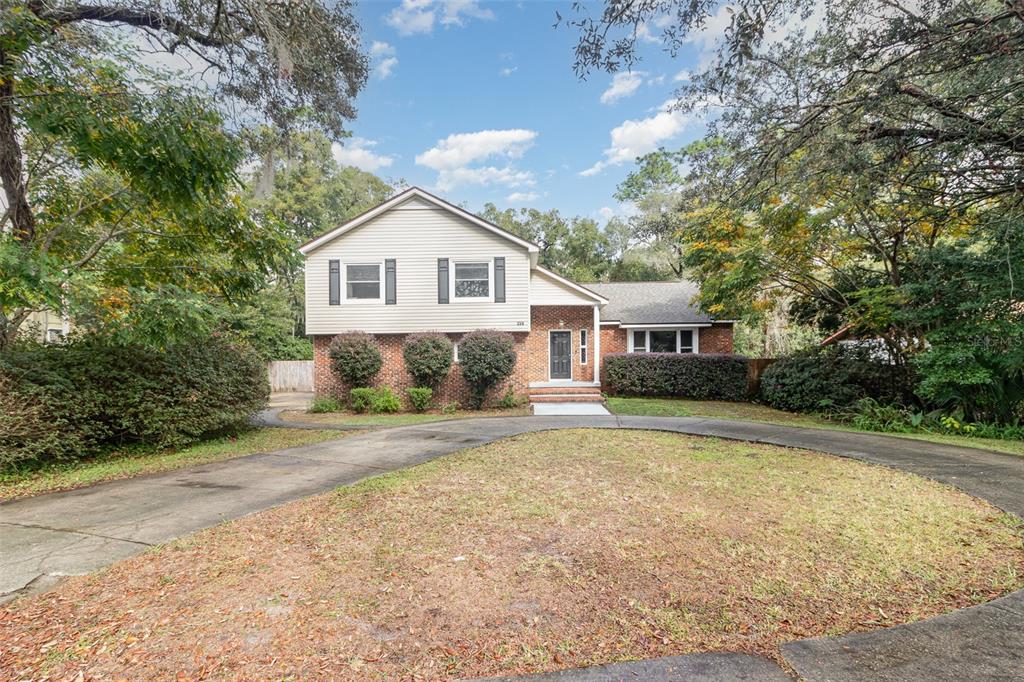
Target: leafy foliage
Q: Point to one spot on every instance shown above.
(682, 375)
(833, 379)
(420, 397)
(72, 400)
(428, 358)
(361, 399)
(385, 401)
(487, 358)
(132, 187)
(325, 404)
(355, 358)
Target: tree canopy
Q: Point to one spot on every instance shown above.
(119, 177)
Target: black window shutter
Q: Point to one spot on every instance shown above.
(334, 286)
(442, 280)
(389, 281)
(499, 279)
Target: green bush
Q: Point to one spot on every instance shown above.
(681, 375)
(420, 398)
(325, 403)
(509, 400)
(72, 400)
(385, 401)
(361, 399)
(428, 358)
(487, 358)
(833, 379)
(355, 358)
(450, 408)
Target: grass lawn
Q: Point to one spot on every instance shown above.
(125, 464)
(543, 551)
(674, 407)
(399, 419)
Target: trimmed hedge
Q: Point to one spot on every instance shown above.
(355, 358)
(833, 379)
(62, 402)
(487, 358)
(679, 375)
(428, 358)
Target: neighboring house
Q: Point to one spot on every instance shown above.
(417, 263)
(47, 326)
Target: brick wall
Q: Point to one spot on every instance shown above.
(572, 318)
(393, 374)
(717, 338)
(532, 363)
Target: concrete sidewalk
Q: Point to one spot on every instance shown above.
(46, 537)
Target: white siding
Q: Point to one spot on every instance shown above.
(416, 234)
(547, 291)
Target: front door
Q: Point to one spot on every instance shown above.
(561, 355)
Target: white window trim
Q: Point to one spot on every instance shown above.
(584, 349)
(647, 330)
(455, 353)
(572, 359)
(471, 261)
(344, 283)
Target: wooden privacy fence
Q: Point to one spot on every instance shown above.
(755, 368)
(290, 375)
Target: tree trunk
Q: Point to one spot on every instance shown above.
(12, 174)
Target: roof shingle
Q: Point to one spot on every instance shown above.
(650, 302)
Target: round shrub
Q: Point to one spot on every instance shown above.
(420, 398)
(833, 379)
(680, 375)
(92, 394)
(487, 358)
(355, 358)
(428, 358)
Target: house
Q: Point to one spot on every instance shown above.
(418, 263)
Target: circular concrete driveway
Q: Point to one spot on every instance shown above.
(107, 522)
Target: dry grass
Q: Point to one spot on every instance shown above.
(540, 552)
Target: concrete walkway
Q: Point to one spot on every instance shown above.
(50, 536)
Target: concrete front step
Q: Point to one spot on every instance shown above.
(566, 397)
(564, 390)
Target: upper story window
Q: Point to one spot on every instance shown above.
(362, 281)
(472, 280)
(662, 341)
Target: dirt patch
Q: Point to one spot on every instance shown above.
(540, 552)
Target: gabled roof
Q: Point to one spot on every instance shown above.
(372, 213)
(593, 295)
(666, 303)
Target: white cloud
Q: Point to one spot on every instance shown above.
(382, 55)
(682, 76)
(385, 67)
(622, 85)
(454, 156)
(356, 153)
(521, 197)
(606, 213)
(419, 16)
(509, 70)
(635, 138)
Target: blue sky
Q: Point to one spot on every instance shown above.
(477, 101)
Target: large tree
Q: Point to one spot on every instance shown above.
(119, 176)
(846, 140)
